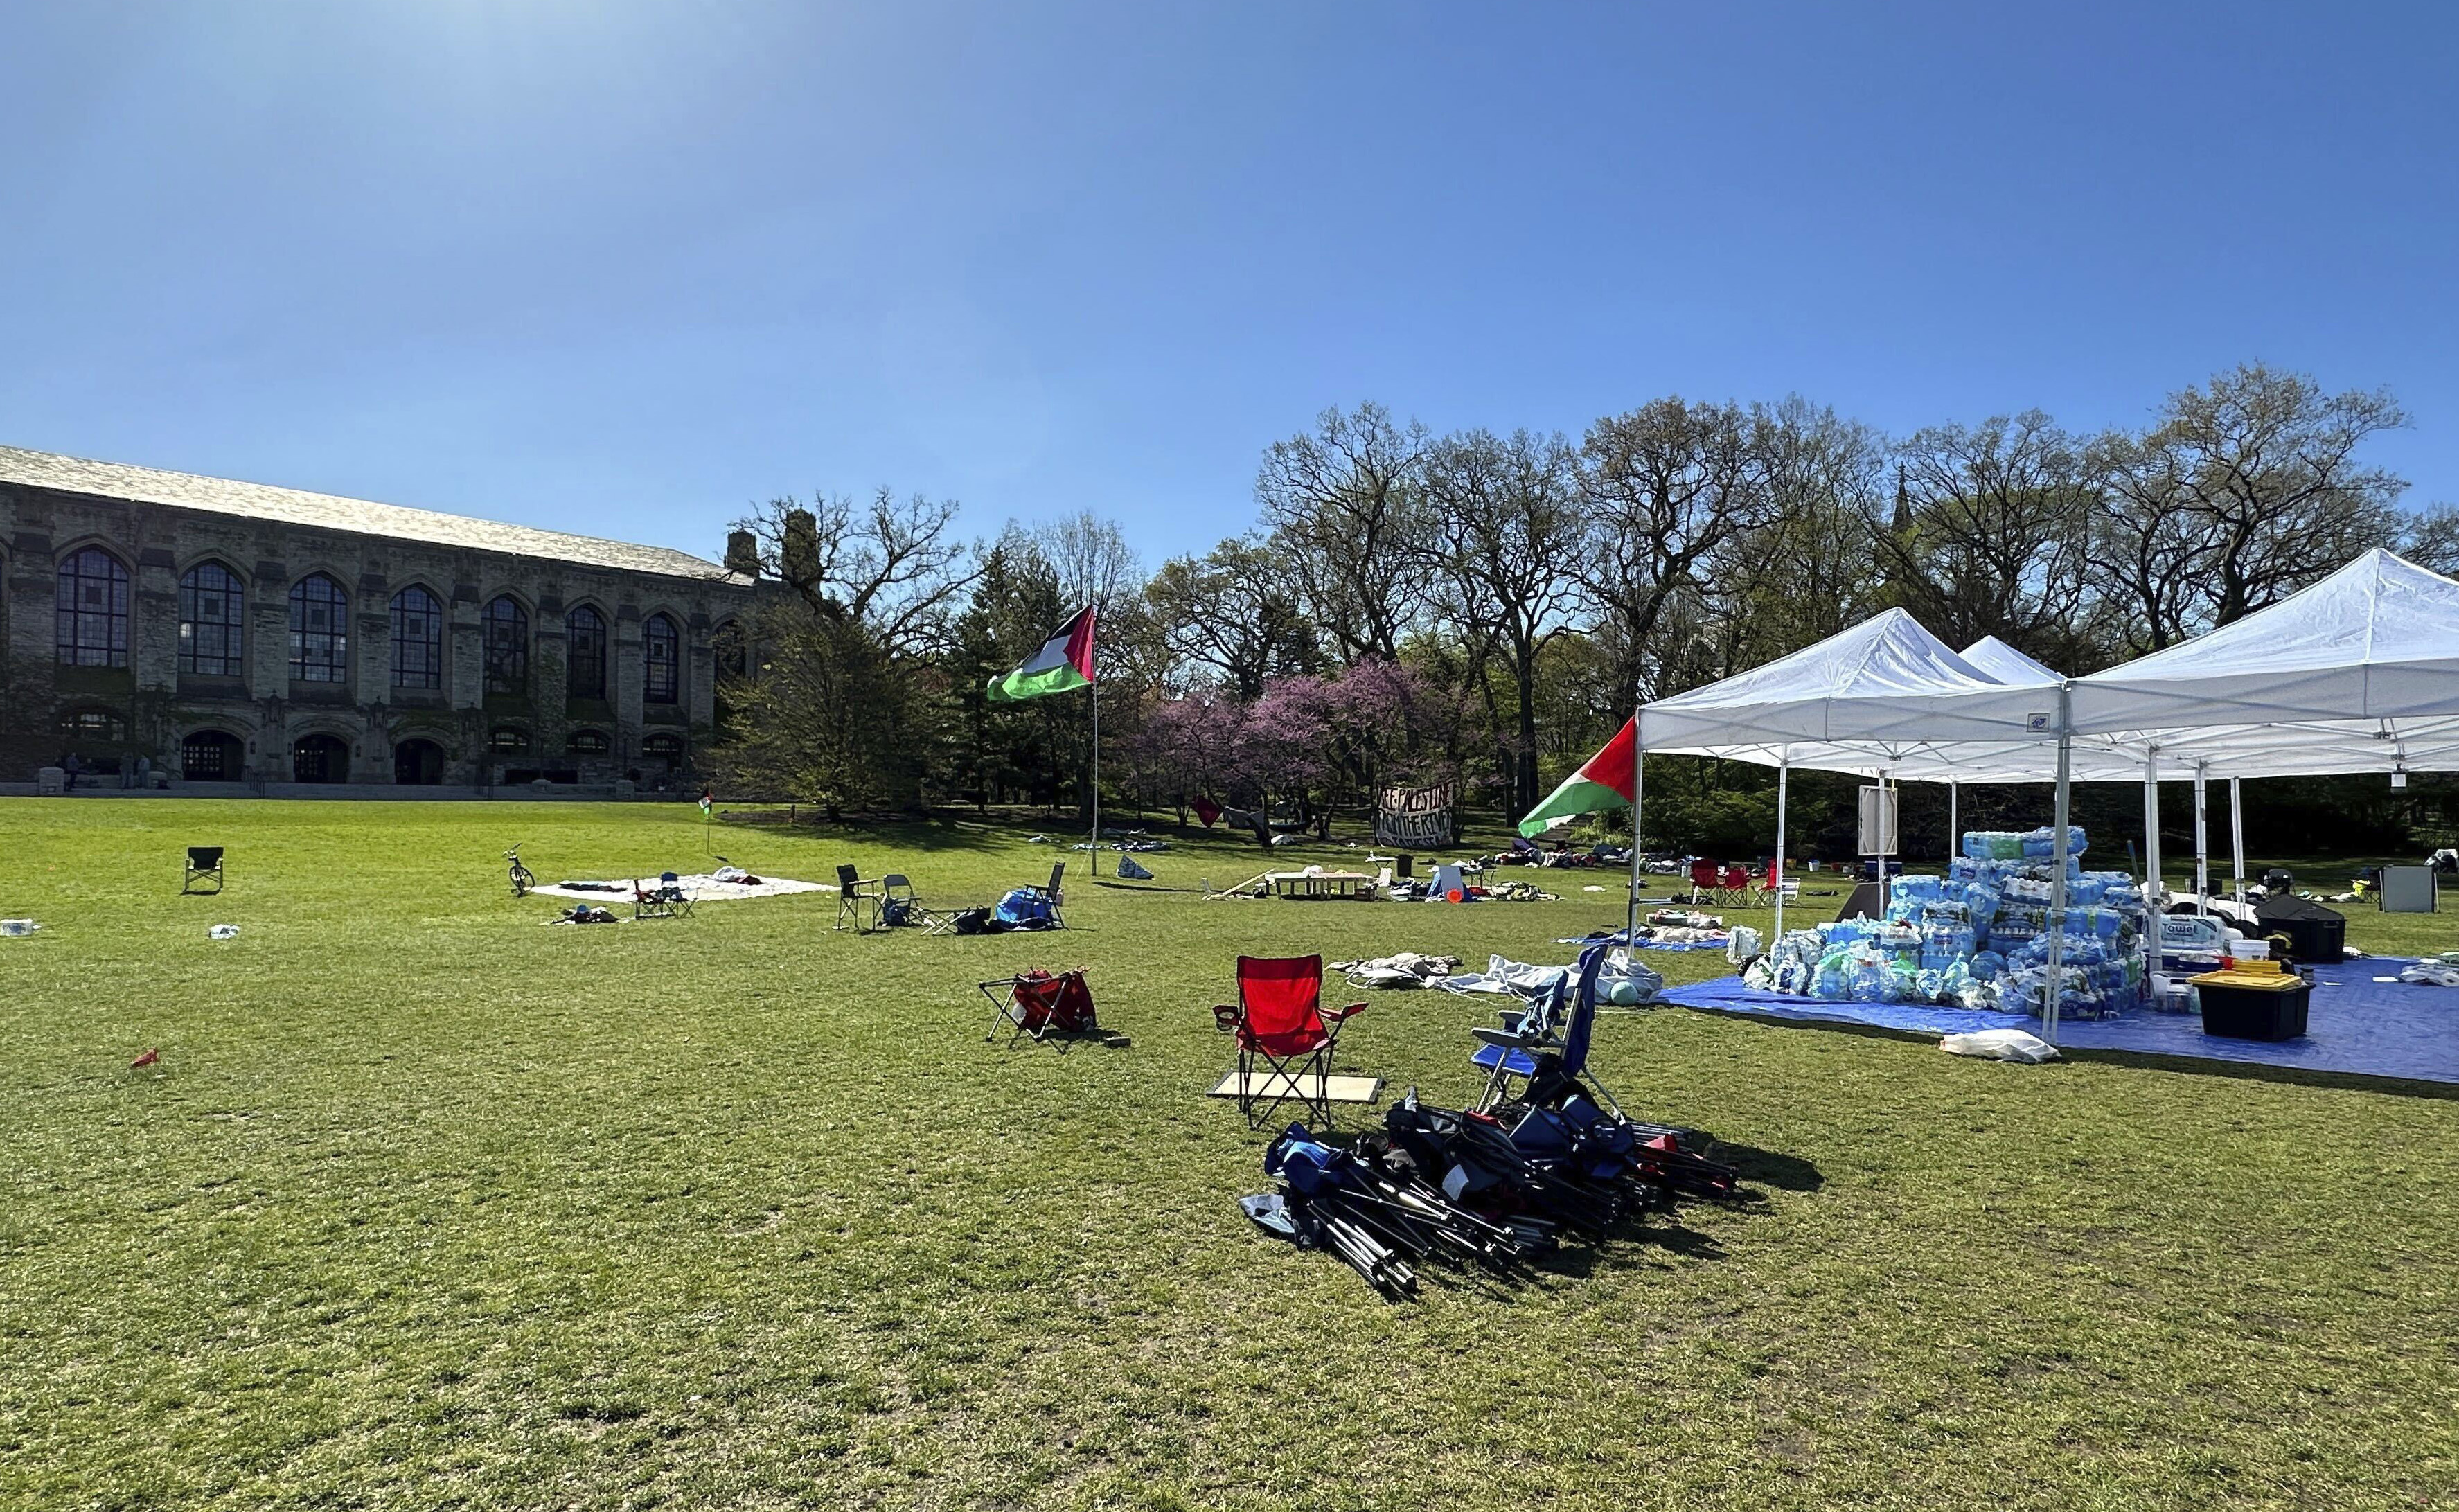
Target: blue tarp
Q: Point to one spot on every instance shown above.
(2356, 1025)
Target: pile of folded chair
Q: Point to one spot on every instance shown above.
(1546, 1151)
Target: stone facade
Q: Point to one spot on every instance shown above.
(305, 684)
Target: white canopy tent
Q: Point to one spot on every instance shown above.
(2358, 673)
(1885, 700)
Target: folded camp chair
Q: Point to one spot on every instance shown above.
(1042, 1007)
(1705, 879)
(1280, 1024)
(853, 895)
(205, 865)
(1055, 894)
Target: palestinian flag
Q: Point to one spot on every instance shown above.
(1602, 782)
(1064, 663)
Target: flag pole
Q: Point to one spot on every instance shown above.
(1093, 691)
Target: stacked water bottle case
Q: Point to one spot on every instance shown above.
(1979, 937)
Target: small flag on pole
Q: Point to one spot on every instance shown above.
(1064, 664)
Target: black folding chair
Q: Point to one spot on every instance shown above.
(1055, 894)
(666, 900)
(204, 863)
(853, 895)
(898, 903)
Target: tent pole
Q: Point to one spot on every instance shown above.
(2152, 830)
(2236, 838)
(2202, 844)
(1885, 803)
(1638, 815)
(1954, 834)
(1775, 875)
(2056, 987)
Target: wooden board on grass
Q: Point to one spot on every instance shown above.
(1272, 1084)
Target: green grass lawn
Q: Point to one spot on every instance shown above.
(427, 1204)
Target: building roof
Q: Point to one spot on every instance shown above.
(297, 506)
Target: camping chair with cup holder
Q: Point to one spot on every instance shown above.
(204, 864)
(666, 899)
(1281, 1027)
(1043, 1006)
(1053, 897)
(853, 896)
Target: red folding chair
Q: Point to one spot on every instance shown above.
(1733, 887)
(1705, 879)
(1279, 1022)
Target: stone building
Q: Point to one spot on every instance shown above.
(236, 638)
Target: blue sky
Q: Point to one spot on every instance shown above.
(627, 266)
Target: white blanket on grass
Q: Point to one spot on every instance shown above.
(700, 888)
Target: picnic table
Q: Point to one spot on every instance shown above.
(1353, 885)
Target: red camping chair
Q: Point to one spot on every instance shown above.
(1041, 1006)
(1733, 887)
(1705, 879)
(1279, 1021)
(1773, 883)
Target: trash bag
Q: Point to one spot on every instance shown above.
(1131, 870)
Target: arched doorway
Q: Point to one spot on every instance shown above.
(211, 755)
(320, 759)
(418, 763)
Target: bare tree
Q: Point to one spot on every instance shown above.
(1668, 485)
(1803, 573)
(2432, 539)
(892, 566)
(1504, 521)
(1990, 534)
(1095, 564)
(2246, 490)
(1342, 505)
(1230, 615)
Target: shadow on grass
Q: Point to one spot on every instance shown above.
(1771, 1168)
(2257, 1071)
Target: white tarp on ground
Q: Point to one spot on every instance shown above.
(700, 888)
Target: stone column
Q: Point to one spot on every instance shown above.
(154, 621)
(700, 677)
(550, 688)
(268, 668)
(371, 675)
(465, 651)
(28, 683)
(624, 687)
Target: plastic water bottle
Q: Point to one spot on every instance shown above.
(224, 932)
(18, 928)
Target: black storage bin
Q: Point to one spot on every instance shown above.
(2317, 935)
(2255, 1013)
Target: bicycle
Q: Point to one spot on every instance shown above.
(523, 878)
